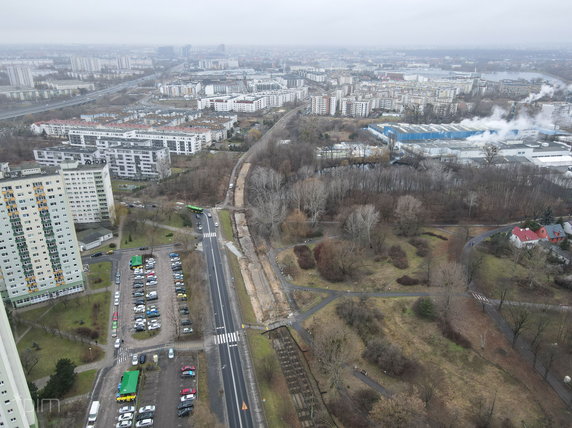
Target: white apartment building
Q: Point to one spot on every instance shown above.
(353, 108)
(131, 160)
(16, 406)
(39, 253)
(89, 64)
(324, 105)
(89, 192)
(181, 141)
(21, 76)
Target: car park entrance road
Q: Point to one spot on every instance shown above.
(227, 334)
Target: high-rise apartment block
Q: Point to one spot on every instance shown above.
(21, 76)
(324, 105)
(88, 188)
(16, 405)
(39, 253)
(89, 64)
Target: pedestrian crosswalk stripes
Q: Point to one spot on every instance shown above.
(124, 355)
(226, 338)
(209, 235)
(481, 298)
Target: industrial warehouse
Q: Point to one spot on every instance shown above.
(468, 144)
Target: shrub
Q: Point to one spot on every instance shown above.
(421, 245)
(305, 257)
(564, 282)
(88, 356)
(360, 316)
(441, 237)
(407, 280)
(424, 308)
(326, 256)
(113, 245)
(387, 357)
(398, 257)
(453, 335)
(87, 332)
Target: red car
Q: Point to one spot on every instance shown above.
(187, 391)
(115, 316)
(187, 368)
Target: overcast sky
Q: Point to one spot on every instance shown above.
(475, 23)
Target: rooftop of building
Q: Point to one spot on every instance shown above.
(70, 149)
(91, 235)
(26, 172)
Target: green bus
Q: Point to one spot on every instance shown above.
(127, 389)
(195, 209)
(136, 262)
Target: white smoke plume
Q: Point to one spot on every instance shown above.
(505, 129)
(545, 91)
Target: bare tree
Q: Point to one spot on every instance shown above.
(472, 200)
(361, 222)
(452, 277)
(402, 410)
(549, 357)
(484, 411)
(518, 319)
(334, 347)
(408, 212)
(490, 153)
(314, 198)
(29, 360)
(503, 291)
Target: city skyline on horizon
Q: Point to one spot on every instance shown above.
(412, 23)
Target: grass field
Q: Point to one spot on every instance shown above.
(52, 348)
(497, 271)
(118, 185)
(246, 310)
(83, 383)
(463, 375)
(376, 273)
(91, 311)
(274, 394)
(225, 224)
(142, 335)
(99, 275)
(145, 236)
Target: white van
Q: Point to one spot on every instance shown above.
(93, 411)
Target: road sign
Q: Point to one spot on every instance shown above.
(244, 406)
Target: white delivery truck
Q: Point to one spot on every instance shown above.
(93, 411)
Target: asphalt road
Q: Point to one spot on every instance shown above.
(227, 333)
(80, 99)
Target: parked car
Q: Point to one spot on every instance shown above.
(187, 330)
(145, 415)
(115, 316)
(184, 412)
(152, 282)
(154, 315)
(144, 423)
(142, 359)
(117, 294)
(185, 404)
(126, 409)
(184, 311)
(114, 332)
(138, 285)
(122, 424)
(114, 324)
(188, 397)
(186, 391)
(125, 417)
(138, 302)
(186, 322)
(148, 408)
(173, 255)
(154, 326)
(139, 277)
(138, 293)
(187, 368)
(189, 373)
(134, 360)
(171, 353)
(98, 254)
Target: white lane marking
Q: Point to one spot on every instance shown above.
(226, 338)
(227, 348)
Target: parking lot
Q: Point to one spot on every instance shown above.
(160, 384)
(166, 304)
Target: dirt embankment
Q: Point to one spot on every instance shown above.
(267, 297)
